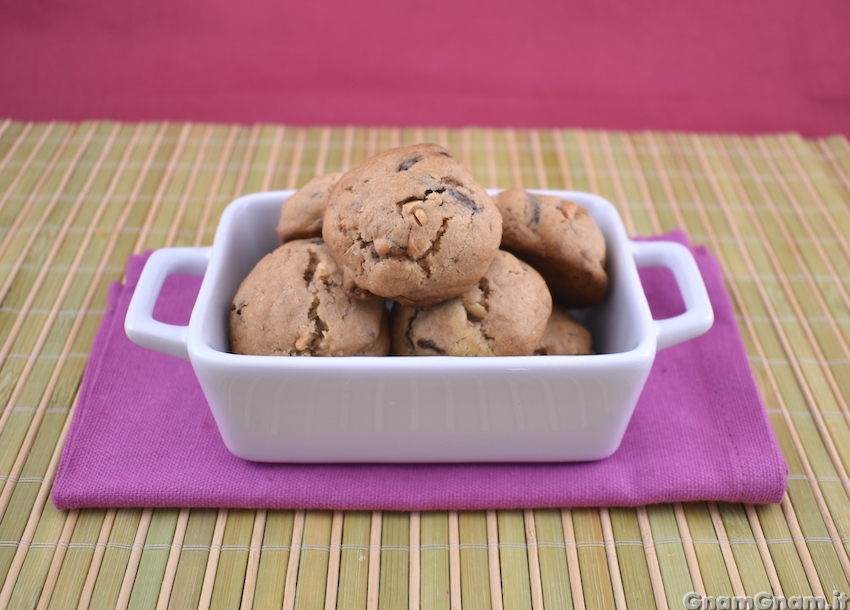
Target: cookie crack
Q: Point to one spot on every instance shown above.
(416, 198)
(310, 271)
(412, 199)
(408, 333)
(459, 192)
(489, 339)
(424, 260)
(484, 285)
(321, 330)
(476, 303)
(318, 328)
(392, 249)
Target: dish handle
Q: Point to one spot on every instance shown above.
(699, 315)
(139, 323)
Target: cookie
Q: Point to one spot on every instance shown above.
(561, 240)
(503, 314)
(302, 214)
(412, 224)
(564, 336)
(292, 304)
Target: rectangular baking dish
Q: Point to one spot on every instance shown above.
(418, 409)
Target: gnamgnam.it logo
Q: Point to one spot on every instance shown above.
(764, 601)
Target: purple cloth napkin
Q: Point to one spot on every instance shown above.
(143, 435)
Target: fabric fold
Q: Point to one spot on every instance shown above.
(142, 434)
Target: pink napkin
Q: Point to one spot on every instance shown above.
(143, 435)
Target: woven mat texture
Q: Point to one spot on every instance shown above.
(77, 199)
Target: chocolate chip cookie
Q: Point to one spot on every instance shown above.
(292, 304)
(564, 336)
(411, 224)
(302, 214)
(561, 240)
(503, 314)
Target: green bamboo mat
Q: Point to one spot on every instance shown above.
(77, 199)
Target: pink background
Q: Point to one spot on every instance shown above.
(742, 66)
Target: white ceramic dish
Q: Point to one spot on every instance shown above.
(418, 409)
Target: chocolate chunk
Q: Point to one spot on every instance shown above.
(534, 204)
(464, 200)
(408, 163)
(426, 344)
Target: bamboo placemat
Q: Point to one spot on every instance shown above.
(77, 199)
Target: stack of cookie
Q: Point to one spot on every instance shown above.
(465, 274)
